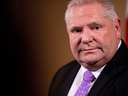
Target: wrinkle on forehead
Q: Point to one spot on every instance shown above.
(78, 14)
(78, 11)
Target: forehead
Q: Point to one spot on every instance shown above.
(85, 12)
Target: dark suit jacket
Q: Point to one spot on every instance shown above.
(113, 80)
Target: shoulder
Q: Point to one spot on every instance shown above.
(68, 68)
(64, 76)
(71, 65)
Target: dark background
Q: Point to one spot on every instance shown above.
(35, 44)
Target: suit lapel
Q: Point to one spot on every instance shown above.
(114, 67)
(104, 77)
(69, 80)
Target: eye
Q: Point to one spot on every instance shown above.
(97, 28)
(77, 31)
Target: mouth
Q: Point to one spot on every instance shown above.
(90, 49)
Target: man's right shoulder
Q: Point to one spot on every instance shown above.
(64, 76)
(71, 65)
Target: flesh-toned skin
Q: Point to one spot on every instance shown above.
(94, 38)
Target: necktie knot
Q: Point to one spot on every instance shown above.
(88, 76)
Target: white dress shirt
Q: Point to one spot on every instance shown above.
(79, 78)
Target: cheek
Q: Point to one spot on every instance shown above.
(104, 37)
(74, 43)
(108, 43)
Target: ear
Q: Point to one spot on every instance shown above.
(117, 24)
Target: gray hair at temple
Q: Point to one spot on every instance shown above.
(109, 9)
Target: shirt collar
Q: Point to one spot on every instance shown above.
(95, 73)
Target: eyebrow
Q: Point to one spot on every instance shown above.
(95, 23)
(92, 23)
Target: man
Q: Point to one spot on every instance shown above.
(95, 38)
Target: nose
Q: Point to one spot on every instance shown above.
(86, 37)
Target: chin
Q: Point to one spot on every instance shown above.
(88, 62)
(92, 66)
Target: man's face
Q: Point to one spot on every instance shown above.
(93, 37)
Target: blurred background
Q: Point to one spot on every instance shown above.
(35, 44)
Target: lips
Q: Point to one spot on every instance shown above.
(89, 49)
